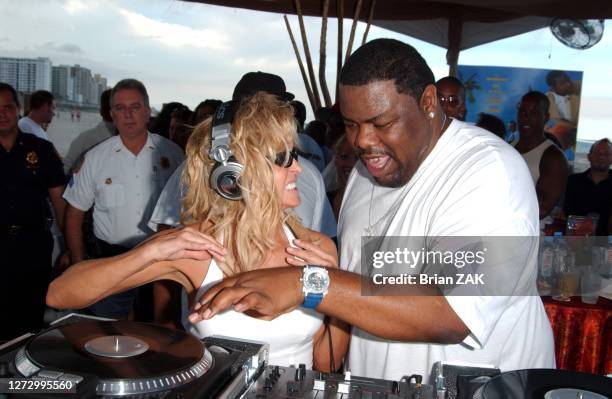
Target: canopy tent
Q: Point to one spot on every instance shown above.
(476, 21)
(452, 24)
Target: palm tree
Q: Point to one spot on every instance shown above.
(471, 84)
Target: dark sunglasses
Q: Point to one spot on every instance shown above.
(452, 99)
(285, 159)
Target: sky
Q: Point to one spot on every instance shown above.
(189, 52)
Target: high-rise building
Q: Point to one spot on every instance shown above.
(26, 74)
(101, 82)
(63, 83)
(84, 86)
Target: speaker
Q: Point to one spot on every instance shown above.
(225, 175)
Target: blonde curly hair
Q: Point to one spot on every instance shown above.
(263, 126)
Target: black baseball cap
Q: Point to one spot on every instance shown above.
(253, 82)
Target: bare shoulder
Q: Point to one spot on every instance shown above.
(326, 243)
(553, 156)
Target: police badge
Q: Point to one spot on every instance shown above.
(32, 161)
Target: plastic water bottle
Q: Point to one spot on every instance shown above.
(566, 277)
(545, 279)
(560, 252)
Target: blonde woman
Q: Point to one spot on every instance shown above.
(225, 237)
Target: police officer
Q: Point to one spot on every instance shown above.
(30, 173)
(121, 178)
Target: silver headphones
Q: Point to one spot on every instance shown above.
(225, 175)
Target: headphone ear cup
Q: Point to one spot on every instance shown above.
(225, 178)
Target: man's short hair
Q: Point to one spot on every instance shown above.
(604, 140)
(540, 97)
(456, 82)
(130, 84)
(209, 102)
(552, 76)
(40, 98)
(388, 59)
(105, 105)
(11, 89)
(299, 111)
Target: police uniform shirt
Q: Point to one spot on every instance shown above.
(123, 187)
(27, 172)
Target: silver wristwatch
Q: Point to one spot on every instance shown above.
(315, 283)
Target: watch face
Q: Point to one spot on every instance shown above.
(316, 281)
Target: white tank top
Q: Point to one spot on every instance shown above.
(533, 158)
(290, 335)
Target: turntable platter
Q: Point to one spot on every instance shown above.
(164, 358)
(547, 384)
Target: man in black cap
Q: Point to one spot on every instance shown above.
(252, 82)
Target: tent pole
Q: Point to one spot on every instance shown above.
(455, 28)
(300, 64)
(370, 16)
(349, 47)
(311, 74)
(322, 56)
(340, 10)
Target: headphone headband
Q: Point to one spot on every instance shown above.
(227, 170)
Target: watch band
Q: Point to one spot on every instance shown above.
(311, 301)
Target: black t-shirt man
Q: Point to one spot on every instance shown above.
(583, 196)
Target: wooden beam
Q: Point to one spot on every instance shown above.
(349, 47)
(311, 74)
(322, 55)
(370, 16)
(300, 64)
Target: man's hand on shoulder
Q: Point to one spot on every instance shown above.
(265, 293)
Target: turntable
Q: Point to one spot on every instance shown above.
(121, 358)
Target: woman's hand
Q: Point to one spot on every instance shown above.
(307, 253)
(184, 243)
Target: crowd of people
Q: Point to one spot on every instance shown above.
(241, 220)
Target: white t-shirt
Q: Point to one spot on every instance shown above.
(291, 335)
(471, 184)
(314, 210)
(563, 105)
(123, 187)
(27, 125)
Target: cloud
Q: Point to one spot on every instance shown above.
(69, 48)
(52, 47)
(75, 6)
(264, 64)
(174, 35)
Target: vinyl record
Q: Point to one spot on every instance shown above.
(63, 348)
(546, 383)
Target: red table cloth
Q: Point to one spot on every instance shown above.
(583, 334)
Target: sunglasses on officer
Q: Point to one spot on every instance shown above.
(285, 159)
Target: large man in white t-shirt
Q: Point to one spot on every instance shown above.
(421, 175)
